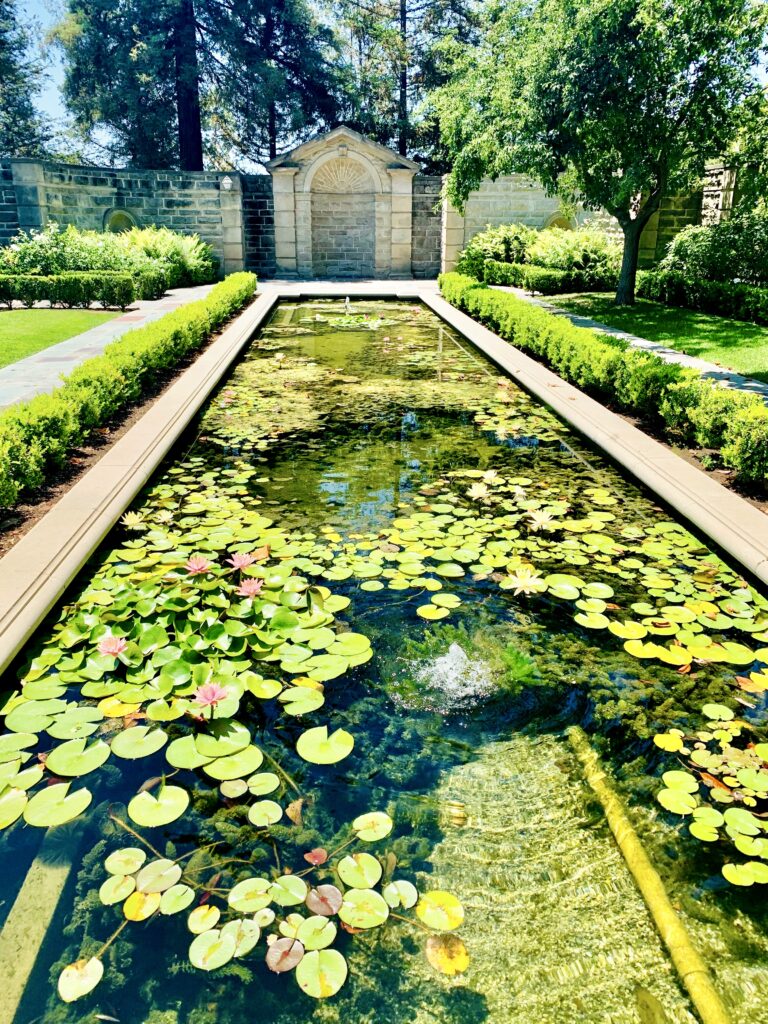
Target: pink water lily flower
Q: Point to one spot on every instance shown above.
(112, 645)
(197, 565)
(211, 694)
(241, 559)
(250, 588)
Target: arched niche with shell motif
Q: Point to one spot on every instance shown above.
(343, 209)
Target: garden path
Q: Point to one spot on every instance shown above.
(728, 378)
(41, 373)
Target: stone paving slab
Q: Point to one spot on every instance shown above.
(41, 373)
(728, 378)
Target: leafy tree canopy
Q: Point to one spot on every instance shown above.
(611, 102)
(21, 129)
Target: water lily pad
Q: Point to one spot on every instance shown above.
(400, 893)
(141, 905)
(13, 742)
(283, 955)
(447, 954)
(79, 978)
(740, 821)
(300, 700)
(154, 811)
(746, 874)
(116, 889)
(706, 833)
(359, 870)
(55, 805)
(432, 612)
(233, 788)
(262, 783)
(321, 973)
(250, 895)
(363, 908)
(212, 949)
(75, 723)
(628, 630)
(222, 739)
(440, 910)
(235, 766)
(245, 932)
(754, 779)
(12, 804)
(318, 746)
(671, 741)
(176, 899)
(683, 781)
(324, 900)
(677, 801)
(77, 757)
(601, 590)
(264, 813)
(592, 620)
(139, 741)
(717, 712)
(372, 826)
(183, 753)
(288, 891)
(158, 875)
(202, 919)
(316, 932)
(125, 861)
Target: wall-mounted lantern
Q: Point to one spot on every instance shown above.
(226, 183)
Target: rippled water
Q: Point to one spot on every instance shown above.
(457, 723)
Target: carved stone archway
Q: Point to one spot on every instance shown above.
(343, 208)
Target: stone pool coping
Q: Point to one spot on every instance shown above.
(38, 569)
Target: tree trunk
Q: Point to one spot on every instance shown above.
(402, 105)
(625, 292)
(272, 129)
(188, 89)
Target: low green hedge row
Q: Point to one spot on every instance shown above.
(544, 280)
(722, 298)
(82, 288)
(693, 409)
(36, 436)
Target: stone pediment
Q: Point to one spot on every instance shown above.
(341, 140)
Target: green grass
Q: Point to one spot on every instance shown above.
(733, 344)
(26, 331)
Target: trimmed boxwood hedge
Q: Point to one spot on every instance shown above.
(722, 298)
(544, 280)
(693, 409)
(36, 436)
(82, 288)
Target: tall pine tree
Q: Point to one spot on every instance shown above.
(21, 128)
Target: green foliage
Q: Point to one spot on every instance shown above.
(639, 381)
(722, 298)
(735, 249)
(157, 258)
(590, 255)
(21, 129)
(36, 435)
(495, 272)
(73, 289)
(603, 101)
(548, 280)
(506, 243)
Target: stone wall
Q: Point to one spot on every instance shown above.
(90, 198)
(425, 255)
(342, 240)
(9, 217)
(259, 224)
(675, 213)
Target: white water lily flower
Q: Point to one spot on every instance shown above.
(134, 521)
(540, 519)
(477, 491)
(490, 476)
(524, 581)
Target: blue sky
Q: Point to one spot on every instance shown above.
(44, 13)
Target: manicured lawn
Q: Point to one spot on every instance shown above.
(738, 346)
(25, 331)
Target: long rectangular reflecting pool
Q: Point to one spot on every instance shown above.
(294, 746)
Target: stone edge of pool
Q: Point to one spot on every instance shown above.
(38, 569)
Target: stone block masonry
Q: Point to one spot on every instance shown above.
(259, 224)
(9, 216)
(425, 254)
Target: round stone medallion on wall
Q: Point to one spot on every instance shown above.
(342, 176)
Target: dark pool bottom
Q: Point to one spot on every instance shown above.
(336, 426)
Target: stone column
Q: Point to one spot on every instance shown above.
(402, 221)
(31, 199)
(451, 235)
(233, 232)
(285, 220)
(304, 264)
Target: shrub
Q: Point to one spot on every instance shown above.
(733, 250)
(591, 256)
(167, 256)
(496, 272)
(506, 243)
(36, 436)
(547, 280)
(69, 289)
(699, 409)
(731, 299)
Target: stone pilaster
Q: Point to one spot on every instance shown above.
(451, 236)
(285, 220)
(31, 199)
(402, 221)
(233, 232)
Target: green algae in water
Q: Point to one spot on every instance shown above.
(355, 443)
